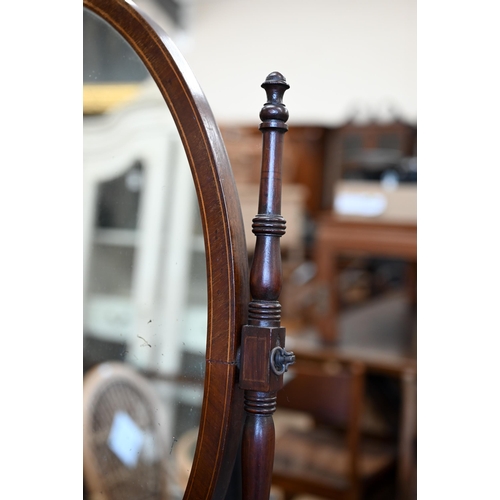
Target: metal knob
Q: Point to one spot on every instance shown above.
(281, 360)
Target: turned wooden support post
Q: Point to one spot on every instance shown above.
(263, 357)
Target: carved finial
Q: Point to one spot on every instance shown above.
(274, 111)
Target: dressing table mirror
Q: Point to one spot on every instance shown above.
(145, 293)
(170, 306)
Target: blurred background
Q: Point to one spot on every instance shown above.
(346, 419)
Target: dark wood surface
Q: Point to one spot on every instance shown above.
(344, 144)
(382, 333)
(303, 158)
(222, 419)
(338, 236)
(332, 457)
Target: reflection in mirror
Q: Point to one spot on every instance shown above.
(145, 291)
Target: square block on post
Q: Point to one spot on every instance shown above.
(255, 367)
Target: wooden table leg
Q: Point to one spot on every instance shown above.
(327, 279)
(411, 283)
(408, 428)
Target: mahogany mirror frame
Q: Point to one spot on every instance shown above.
(222, 415)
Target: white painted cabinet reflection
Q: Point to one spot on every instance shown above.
(145, 297)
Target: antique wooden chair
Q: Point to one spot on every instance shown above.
(125, 449)
(331, 458)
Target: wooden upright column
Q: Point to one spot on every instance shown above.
(263, 357)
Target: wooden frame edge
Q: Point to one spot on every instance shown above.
(226, 254)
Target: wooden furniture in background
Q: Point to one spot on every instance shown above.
(330, 458)
(353, 147)
(302, 181)
(341, 235)
(317, 157)
(303, 160)
(382, 333)
(382, 339)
